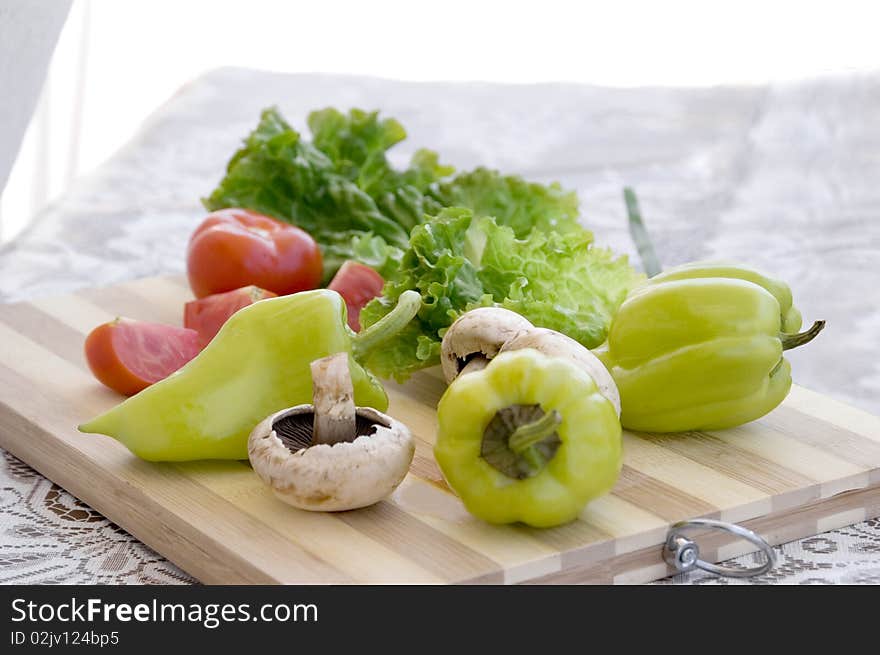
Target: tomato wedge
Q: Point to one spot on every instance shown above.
(128, 355)
(358, 284)
(207, 315)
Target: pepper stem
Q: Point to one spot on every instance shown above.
(790, 341)
(408, 305)
(529, 434)
(532, 461)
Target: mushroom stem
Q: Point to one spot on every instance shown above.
(474, 364)
(333, 398)
(529, 434)
(408, 305)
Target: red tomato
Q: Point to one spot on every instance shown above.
(357, 284)
(207, 315)
(233, 248)
(129, 355)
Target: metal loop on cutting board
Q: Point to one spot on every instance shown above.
(683, 553)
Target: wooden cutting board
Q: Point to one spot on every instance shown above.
(811, 465)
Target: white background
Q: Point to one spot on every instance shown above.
(119, 59)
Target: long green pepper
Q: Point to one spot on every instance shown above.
(257, 364)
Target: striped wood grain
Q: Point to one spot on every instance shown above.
(811, 465)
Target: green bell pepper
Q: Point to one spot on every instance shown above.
(790, 316)
(529, 438)
(257, 364)
(700, 347)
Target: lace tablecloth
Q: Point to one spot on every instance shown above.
(783, 176)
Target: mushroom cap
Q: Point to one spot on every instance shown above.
(338, 477)
(480, 331)
(556, 344)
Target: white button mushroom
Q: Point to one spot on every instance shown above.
(476, 337)
(556, 344)
(480, 334)
(331, 456)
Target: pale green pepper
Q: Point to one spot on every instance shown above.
(700, 347)
(528, 438)
(789, 314)
(257, 364)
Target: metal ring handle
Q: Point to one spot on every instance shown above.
(684, 554)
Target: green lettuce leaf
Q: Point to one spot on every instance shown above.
(559, 281)
(356, 143)
(340, 187)
(364, 247)
(416, 226)
(513, 201)
(278, 174)
(458, 262)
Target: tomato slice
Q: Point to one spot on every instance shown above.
(358, 284)
(128, 355)
(207, 315)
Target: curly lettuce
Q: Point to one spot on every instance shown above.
(341, 188)
(323, 186)
(511, 200)
(457, 261)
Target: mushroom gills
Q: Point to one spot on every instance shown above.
(295, 429)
